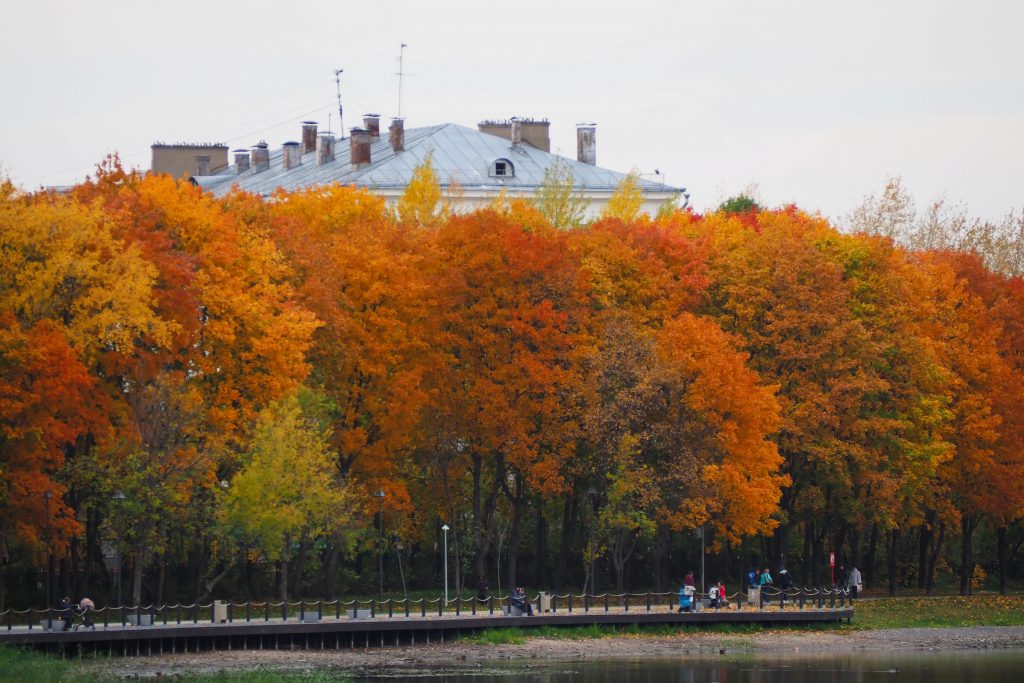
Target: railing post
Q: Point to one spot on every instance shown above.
(472, 608)
(760, 598)
(625, 602)
(801, 599)
(423, 607)
(284, 610)
(373, 607)
(106, 617)
(320, 606)
(647, 598)
(458, 605)
(490, 602)
(266, 610)
(832, 602)
(391, 607)
(606, 601)
(440, 607)
(570, 602)
(406, 605)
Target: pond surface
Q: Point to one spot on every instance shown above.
(1003, 666)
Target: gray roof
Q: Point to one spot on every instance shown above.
(460, 156)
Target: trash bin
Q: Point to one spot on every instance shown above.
(544, 602)
(754, 596)
(220, 611)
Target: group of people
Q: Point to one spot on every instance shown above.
(80, 609)
(687, 594)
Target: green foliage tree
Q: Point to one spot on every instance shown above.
(557, 199)
(285, 490)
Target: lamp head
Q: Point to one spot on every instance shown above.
(379, 493)
(444, 527)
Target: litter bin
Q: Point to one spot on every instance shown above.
(220, 611)
(544, 602)
(754, 596)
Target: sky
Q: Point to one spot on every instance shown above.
(811, 102)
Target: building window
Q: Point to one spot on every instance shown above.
(502, 168)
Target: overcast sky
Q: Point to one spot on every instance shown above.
(815, 102)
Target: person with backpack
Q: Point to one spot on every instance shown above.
(752, 578)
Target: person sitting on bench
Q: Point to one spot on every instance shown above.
(519, 600)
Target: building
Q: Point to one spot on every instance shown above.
(473, 166)
(189, 159)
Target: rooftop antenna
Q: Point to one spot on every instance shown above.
(337, 83)
(401, 56)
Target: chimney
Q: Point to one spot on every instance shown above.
(308, 136)
(372, 123)
(586, 143)
(203, 165)
(324, 148)
(260, 157)
(291, 155)
(241, 161)
(396, 135)
(360, 142)
(516, 133)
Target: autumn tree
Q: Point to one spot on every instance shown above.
(557, 199)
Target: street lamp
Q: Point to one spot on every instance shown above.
(379, 495)
(49, 555)
(444, 528)
(119, 496)
(592, 494)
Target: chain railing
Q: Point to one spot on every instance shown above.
(218, 612)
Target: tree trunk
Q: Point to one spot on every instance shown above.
(806, 565)
(513, 539)
(933, 560)
(894, 546)
(869, 560)
(160, 579)
(137, 564)
(662, 548)
(282, 579)
(924, 543)
(779, 543)
(568, 526)
(331, 566)
(540, 573)
(1002, 554)
(967, 525)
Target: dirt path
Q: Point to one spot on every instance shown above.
(456, 656)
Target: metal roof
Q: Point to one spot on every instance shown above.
(460, 156)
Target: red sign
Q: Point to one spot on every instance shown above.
(831, 559)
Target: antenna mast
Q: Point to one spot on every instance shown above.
(337, 83)
(401, 55)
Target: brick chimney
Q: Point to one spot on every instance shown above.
(372, 123)
(291, 155)
(308, 136)
(202, 164)
(324, 148)
(396, 135)
(516, 132)
(586, 143)
(241, 160)
(260, 157)
(360, 146)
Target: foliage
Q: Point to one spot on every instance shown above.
(627, 200)
(740, 203)
(557, 199)
(420, 203)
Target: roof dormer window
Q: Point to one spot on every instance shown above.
(502, 168)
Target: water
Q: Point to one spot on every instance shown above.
(895, 667)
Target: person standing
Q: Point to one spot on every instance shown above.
(854, 582)
(85, 606)
(66, 614)
(765, 578)
(483, 591)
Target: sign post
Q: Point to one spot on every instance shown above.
(832, 564)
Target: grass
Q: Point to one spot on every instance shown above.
(26, 666)
(976, 610)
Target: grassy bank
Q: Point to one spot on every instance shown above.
(25, 666)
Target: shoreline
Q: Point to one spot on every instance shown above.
(462, 656)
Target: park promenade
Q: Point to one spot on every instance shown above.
(343, 624)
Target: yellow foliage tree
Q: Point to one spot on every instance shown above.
(421, 203)
(627, 200)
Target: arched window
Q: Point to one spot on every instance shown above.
(502, 168)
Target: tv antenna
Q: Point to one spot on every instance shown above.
(337, 83)
(401, 56)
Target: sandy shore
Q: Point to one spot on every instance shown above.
(456, 656)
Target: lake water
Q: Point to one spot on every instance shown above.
(1005, 666)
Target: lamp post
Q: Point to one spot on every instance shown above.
(592, 494)
(119, 496)
(444, 528)
(379, 495)
(49, 555)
